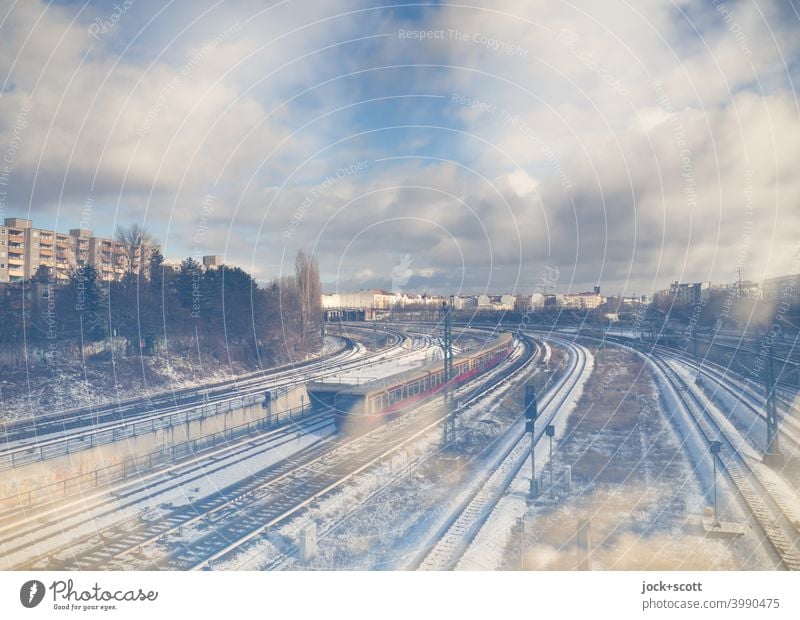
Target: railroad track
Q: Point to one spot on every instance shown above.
(32, 532)
(453, 539)
(752, 479)
(52, 441)
(305, 486)
(131, 408)
(744, 391)
(98, 548)
(170, 401)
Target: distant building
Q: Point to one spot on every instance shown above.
(212, 262)
(465, 302)
(507, 302)
(637, 300)
(582, 301)
(782, 288)
(537, 301)
(746, 289)
(686, 292)
(23, 249)
(372, 299)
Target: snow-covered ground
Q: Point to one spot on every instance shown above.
(152, 497)
(629, 476)
(379, 520)
(30, 392)
(421, 354)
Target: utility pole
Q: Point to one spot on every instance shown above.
(531, 413)
(773, 452)
(697, 357)
(739, 285)
(550, 430)
(447, 349)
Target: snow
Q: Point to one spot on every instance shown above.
(380, 519)
(487, 551)
(175, 486)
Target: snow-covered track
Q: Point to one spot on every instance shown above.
(745, 391)
(79, 431)
(310, 485)
(97, 546)
(122, 544)
(756, 483)
(466, 520)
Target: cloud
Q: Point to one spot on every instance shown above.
(628, 144)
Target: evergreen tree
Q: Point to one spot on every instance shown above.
(87, 308)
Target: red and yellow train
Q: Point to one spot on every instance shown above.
(370, 403)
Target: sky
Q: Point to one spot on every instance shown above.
(488, 146)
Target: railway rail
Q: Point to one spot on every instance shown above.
(100, 548)
(754, 481)
(81, 431)
(304, 486)
(452, 540)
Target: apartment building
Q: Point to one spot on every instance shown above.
(582, 301)
(23, 249)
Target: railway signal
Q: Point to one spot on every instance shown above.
(714, 448)
(550, 431)
(531, 413)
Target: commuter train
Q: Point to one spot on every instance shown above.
(364, 406)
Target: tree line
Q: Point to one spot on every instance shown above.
(220, 313)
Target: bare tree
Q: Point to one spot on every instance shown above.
(135, 243)
(309, 291)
